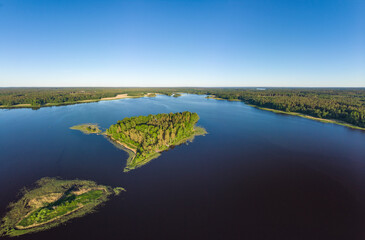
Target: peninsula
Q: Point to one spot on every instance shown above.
(145, 137)
(87, 128)
(52, 202)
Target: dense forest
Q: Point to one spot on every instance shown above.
(149, 135)
(347, 105)
(42, 96)
(38, 97)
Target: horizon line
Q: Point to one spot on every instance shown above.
(181, 87)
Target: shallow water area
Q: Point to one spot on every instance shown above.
(255, 175)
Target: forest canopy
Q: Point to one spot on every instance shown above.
(347, 105)
(148, 135)
(38, 97)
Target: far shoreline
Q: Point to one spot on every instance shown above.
(323, 120)
(125, 96)
(117, 97)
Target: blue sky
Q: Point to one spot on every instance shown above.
(296, 43)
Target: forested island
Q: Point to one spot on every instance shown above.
(52, 202)
(146, 136)
(338, 105)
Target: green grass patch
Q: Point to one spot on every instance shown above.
(87, 128)
(64, 205)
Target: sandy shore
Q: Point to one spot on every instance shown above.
(119, 96)
(123, 144)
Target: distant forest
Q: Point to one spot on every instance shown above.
(38, 97)
(347, 105)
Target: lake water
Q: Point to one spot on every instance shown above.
(256, 175)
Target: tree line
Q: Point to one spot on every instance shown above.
(38, 97)
(347, 105)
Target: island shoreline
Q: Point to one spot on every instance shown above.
(133, 152)
(27, 215)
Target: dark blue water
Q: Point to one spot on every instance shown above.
(256, 175)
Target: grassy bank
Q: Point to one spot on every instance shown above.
(87, 128)
(217, 98)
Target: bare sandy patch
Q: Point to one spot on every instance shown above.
(119, 96)
(124, 145)
(40, 201)
(81, 191)
(23, 105)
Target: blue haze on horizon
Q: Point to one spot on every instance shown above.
(292, 43)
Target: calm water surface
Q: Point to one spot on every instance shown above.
(256, 175)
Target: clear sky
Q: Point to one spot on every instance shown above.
(308, 43)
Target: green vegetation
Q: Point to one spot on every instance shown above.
(118, 190)
(67, 203)
(310, 117)
(177, 95)
(146, 136)
(37, 97)
(53, 202)
(87, 128)
(341, 106)
(44, 97)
